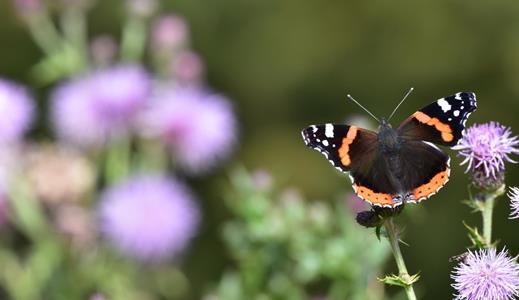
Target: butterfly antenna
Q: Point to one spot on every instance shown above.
(402, 101)
(356, 102)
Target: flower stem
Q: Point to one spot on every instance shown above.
(487, 212)
(133, 39)
(487, 220)
(395, 247)
(117, 160)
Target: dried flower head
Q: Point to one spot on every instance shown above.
(16, 111)
(150, 218)
(485, 274)
(486, 148)
(198, 127)
(93, 109)
(513, 195)
(58, 173)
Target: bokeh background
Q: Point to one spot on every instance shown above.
(288, 64)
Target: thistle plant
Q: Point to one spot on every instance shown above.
(286, 247)
(382, 219)
(486, 148)
(484, 273)
(104, 204)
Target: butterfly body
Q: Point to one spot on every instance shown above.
(396, 165)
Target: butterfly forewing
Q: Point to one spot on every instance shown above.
(343, 145)
(441, 122)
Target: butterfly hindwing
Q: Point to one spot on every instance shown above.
(425, 169)
(441, 122)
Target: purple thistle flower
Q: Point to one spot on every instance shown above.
(169, 33)
(16, 111)
(486, 275)
(92, 109)
(150, 218)
(486, 148)
(198, 127)
(513, 194)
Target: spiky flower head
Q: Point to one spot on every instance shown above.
(100, 106)
(150, 218)
(513, 195)
(485, 274)
(486, 148)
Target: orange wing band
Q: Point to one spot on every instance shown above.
(426, 190)
(445, 129)
(373, 197)
(345, 147)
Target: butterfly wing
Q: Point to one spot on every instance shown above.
(355, 150)
(441, 122)
(424, 169)
(344, 146)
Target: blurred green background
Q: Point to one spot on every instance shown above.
(287, 64)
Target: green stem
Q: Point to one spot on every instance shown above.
(133, 39)
(44, 33)
(117, 160)
(395, 247)
(487, 220)
(74, 28)
(487, 212)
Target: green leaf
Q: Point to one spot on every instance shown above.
(474, 205)
(403, 280)
(475, 237)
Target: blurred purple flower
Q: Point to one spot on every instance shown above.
(487, 147)
(16, 111)
(485, 274)
(27, 6)
(92, 109)
(150, 218)
(169, 33)
(188, 67)
(198, 127)
(513, 194)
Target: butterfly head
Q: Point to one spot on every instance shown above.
(387, 136)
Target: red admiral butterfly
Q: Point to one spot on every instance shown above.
(398, 165)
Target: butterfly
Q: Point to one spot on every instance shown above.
(396, 165)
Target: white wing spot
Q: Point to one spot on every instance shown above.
(328, 130)
(456, 113)
(314, 128)
(445, 106)
(450, 119)
(457, 97)
(462, 107)
(325, 142)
